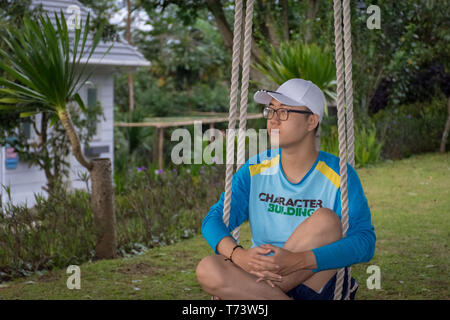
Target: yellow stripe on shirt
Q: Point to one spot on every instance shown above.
(329, 173)
(263, 166)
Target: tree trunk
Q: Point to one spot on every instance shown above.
(130, 73)
(160, 147)
(66, 120)
(285, 18)
(446, 129)
(102, 193)
(130, 91)
(313, 8)
(219, 16)
(215, 7)
(103, 208)
(271, 26)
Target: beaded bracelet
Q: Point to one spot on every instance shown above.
(231, 255)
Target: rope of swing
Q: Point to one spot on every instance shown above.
(233, 102)
(345, 119)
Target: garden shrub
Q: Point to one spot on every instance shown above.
(152, 208)
(56, 232)
(161, 207)
(367, 146)
(412, 128)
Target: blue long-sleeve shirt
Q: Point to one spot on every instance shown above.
(274, 206)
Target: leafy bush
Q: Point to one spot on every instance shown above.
(412, 128)
(56, 232)
(299, 60)
(367, 145)
(210, 98)
(160, 207)
(152, 208)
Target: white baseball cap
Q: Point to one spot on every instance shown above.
(295, 93)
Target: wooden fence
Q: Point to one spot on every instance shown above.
(161, 123)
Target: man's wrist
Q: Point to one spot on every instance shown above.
(306, 260)
(237, 255)
(233, 250)
(225, 246)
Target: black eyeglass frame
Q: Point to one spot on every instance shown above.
(287, 110)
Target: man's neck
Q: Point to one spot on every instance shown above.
(297, 160)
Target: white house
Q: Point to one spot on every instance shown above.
(25, 181)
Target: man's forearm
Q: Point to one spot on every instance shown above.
(294, 279)
(225, 246)
(304, 260)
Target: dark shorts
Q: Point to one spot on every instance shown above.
(302, 292)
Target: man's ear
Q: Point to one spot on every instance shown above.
(313, 121)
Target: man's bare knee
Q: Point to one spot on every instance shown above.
(210, 274)
(329, 222)
(321, 228)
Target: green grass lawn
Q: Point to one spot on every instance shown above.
(410, 205)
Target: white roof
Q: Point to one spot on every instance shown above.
(121, 54)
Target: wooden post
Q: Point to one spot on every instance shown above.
(160, 147)
(155, 146)
(103, 208)
(211, 135)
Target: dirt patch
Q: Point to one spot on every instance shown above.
(48, 277)
(183, 255)
(139, 268)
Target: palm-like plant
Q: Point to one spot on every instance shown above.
(44, 69)
(299, 60)
(41, 66)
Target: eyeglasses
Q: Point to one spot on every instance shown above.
(282, 114)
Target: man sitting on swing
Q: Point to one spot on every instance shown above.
(292, 199)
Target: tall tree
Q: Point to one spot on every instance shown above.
(313, 8)
(274, 22)
(43, 74)
(103, 10)
(128, 36)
